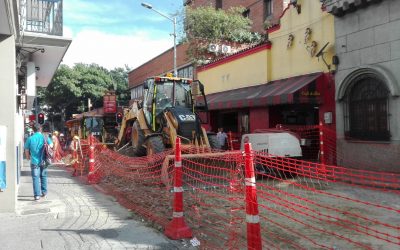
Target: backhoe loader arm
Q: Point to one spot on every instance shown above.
(130, 114)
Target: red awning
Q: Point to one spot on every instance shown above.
(298, 89)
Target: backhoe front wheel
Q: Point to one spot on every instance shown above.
(138, 140)
(155, 145)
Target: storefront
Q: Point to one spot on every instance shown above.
(299, 100)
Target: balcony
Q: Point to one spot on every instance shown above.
(42, 16)
(341, 7)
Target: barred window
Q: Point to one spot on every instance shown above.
(368, 109)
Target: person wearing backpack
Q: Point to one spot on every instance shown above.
(34, 151)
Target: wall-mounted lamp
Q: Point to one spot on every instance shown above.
(307, 35)
(335, 60)
(296, 5)
(312, 48)
(290, 41)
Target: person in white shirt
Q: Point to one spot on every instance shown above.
(222, 137)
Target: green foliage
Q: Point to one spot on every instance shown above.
(120, 80)
(70, 89)
(205, 25)
(216, 25)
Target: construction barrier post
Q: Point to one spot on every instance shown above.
(321, 148)
(230, 140)
(91, 175)
(75, 157)
(252, 217)
(177, 228)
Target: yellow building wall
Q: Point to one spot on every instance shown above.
(239, 73)
(297, 60)
(278, 62)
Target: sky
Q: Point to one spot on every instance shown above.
(115, 33)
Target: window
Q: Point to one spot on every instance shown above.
(246, 13)
(267, 8)
(137, 92)
(218, 4)
(367, 109)
(186, 72)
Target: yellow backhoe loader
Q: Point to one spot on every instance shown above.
(169, 109)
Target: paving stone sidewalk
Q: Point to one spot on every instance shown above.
(74, 216)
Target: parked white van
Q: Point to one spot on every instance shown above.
(275, 142)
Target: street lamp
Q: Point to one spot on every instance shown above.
(173, 20)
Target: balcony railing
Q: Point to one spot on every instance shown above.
(42, 16)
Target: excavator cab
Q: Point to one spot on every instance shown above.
(163, 93)
(168, 110)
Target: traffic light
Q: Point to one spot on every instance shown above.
(41, 118)
(119, 117)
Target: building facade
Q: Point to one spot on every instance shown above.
(262, 13)
(287, 81)
(367, 83)
(31, 48)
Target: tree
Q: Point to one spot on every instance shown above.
(120, 80)
(70, 89)
(205, 25)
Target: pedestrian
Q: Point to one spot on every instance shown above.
(221, 137)
(58, 152)
(74, 147)
(34, 151)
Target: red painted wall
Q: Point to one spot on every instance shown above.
(259, 118)
(326, 86)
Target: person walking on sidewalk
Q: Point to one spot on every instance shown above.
(34, 151)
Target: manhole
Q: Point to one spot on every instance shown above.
(36, 211)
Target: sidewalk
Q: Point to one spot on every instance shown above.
(74, 216)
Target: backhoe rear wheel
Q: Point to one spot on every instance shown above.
(155, 145)
(137, 140)
(214, 144)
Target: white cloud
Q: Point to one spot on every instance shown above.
(110, 50)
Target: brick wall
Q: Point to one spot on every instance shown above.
(256, 8)
(161, 64)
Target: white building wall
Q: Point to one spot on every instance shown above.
(8, 117)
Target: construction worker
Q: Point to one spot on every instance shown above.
(75, 155)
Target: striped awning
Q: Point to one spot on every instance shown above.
(298, 89)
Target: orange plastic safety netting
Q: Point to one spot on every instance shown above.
(309, 205)
(302, 204)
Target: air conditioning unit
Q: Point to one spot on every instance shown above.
(225, 49)
(213, 48)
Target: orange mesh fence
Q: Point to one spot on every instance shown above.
(310, 140)
(311, 205)
(302, 204)
(214, 199)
